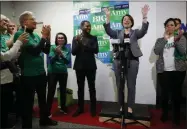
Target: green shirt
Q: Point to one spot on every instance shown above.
(31, 65)
(4, 39)
(58, 64)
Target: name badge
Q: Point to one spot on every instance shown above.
(115, 41)
(127, 40)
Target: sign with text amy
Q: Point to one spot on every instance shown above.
(94, 13)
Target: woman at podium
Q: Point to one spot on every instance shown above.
(132, 53)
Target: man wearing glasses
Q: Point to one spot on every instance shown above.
(33, 74)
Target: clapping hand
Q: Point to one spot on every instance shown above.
(180, 34)
(166, 35)
(58, 50)
(78, 38)
(46, 31)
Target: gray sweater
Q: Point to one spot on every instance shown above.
(180, 45)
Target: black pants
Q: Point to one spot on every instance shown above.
(6, 103)
(17, 90)
(90, 75)
(171, 83)
(28, 87)
(53, 78)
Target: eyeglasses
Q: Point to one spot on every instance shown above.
(60, 37)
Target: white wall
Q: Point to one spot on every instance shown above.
(59, 16)
(145, 87)
(7, 9)
(167, 10)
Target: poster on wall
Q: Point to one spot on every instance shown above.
(94, 12)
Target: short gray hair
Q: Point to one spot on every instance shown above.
(24, 17)
(3, 17)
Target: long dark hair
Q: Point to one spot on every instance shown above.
(65, 38)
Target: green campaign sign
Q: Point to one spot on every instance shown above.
(104, 44)
(93, 12)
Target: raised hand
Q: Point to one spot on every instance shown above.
(107, 12)
(145, 10)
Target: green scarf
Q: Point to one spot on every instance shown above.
(177, 54)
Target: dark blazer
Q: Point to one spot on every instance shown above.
(134, 36)
(85, 51)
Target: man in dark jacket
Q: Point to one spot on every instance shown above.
(84, 47)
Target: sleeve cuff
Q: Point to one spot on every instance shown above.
(18, 42)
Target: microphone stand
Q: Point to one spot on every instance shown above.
(123, 73)
(124, 62)
(122, 49)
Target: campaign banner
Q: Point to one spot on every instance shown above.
(94, 13)
(105, 57)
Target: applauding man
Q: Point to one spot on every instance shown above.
(84, 47)
(33, 75)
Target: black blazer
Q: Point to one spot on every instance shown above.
(85, 51)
